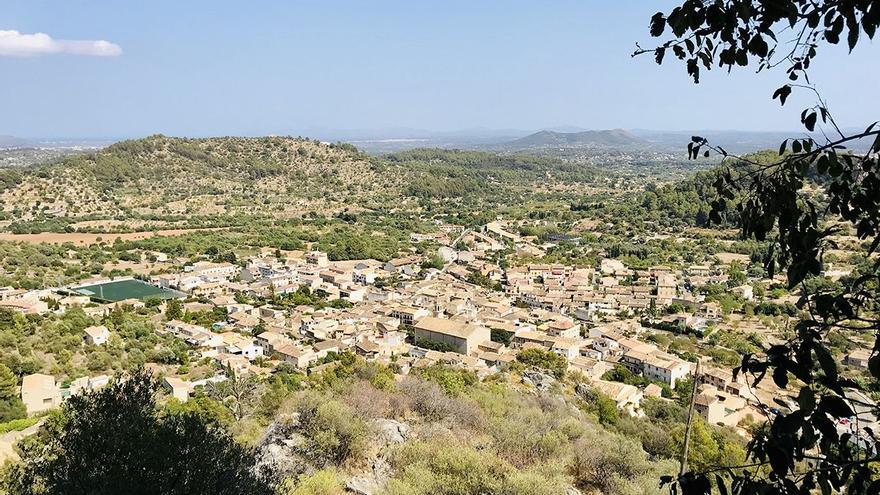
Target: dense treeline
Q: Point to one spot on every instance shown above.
(439, 173)
(684, 203)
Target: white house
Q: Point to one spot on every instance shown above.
(96, 335)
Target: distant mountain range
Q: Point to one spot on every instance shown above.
(381, 141)
(547, 138)
(13, 142)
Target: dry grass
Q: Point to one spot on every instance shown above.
(84, 239)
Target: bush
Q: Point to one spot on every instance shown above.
(612, 464)
(434, 345)
(17, 424)
(428, 400)
(115, 441)
(527, 435)
(453, 381)
(543, 359)
(334, 434)
(323, 482)
(447, 469)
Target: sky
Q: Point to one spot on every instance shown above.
(105, 68)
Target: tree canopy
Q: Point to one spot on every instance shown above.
(116, 441)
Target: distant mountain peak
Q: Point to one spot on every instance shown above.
(549, 138)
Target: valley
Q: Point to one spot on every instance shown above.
(416, 290)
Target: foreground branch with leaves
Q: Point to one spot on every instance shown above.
(817, 189)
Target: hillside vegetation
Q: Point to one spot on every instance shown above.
(162, 181)
(161, 176)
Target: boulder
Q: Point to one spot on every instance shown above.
(538, 379)
(373, 481)
(391, 432)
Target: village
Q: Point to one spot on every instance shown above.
(410, 314)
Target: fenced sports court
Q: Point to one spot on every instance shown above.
(130, 288)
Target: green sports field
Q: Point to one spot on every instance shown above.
(125, 289)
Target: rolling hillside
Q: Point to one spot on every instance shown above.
(163, 176)
(165, 182)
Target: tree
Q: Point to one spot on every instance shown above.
(238, 393)
(115, 441)
(174, 309)
(259, 328)
(11, 406)
(802, 449)
(547, 360)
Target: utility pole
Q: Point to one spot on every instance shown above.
(690, 417)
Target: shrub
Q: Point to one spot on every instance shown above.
(543, 359)
(610, 464)
(453, 381)
(115, 441)
(428, 400)
(335, 435)
(17, 424)
(323, 482)
(446, 469)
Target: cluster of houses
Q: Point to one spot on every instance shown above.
(428, 315)
(593, 294)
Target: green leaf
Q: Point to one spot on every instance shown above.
(810, 121)
(658, 24)
(719, 482)
(835, 406)
(758, 46)
(780, 377)
(807, 400)
(874, 365)
(658, 54)
(782, 93)
(853, 38)
(827, 362)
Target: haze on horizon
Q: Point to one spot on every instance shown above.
(217, 68)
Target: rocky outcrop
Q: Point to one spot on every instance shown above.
(278, 449)
(538, 379)
(281, 452)
(373, 481)
(391, 432)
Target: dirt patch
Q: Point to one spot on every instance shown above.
(83, 239)
(728, 258)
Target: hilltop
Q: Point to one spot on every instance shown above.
(162, 175)
(611, 137)
(168, 182)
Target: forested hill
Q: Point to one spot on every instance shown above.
(684, 203)
(438, 173)
(159, 177)
(229, 158)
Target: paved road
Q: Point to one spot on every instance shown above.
(7, 440)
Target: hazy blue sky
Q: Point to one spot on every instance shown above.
(187, 67)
